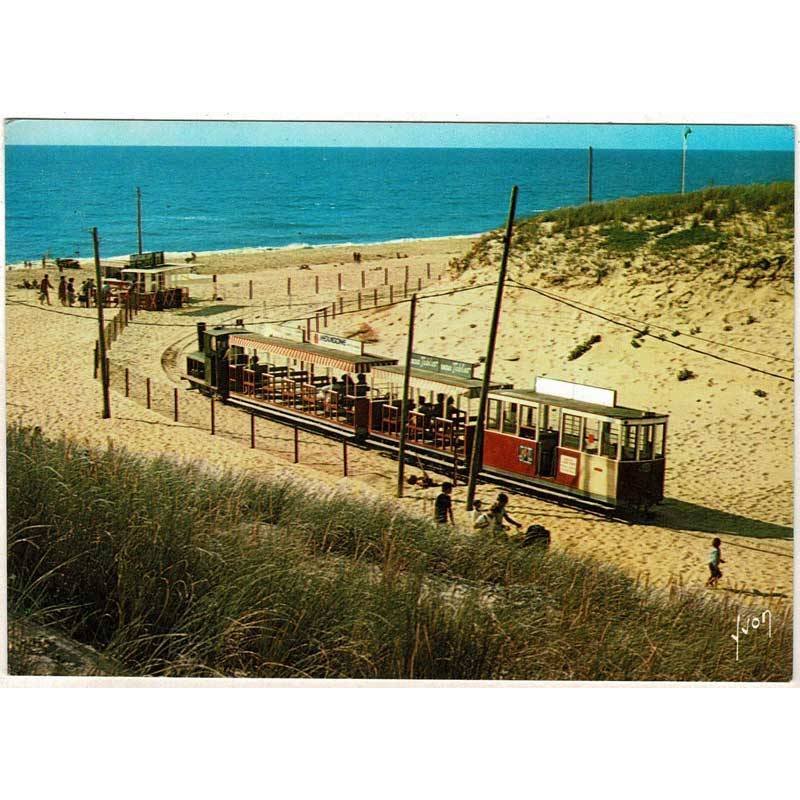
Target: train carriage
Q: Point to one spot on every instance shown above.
(575, 440)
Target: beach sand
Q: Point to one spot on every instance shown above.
(729, 458)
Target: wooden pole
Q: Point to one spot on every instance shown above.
(419, 284)
(333, 309)
(359, 299)
(386, 276)
(147, 382)
(363, 280)
(101, 326)
(296, 445)
(406, 273)
(308, 329)
(127, 382)
(251, 290)
(391, 295)
(325, 317)
(213, 426)
(401, 454)
(316, 284)
(477, 445)
(339, 278)
(591, 166)
(344, 457)
(289, 287)
(96, 359)
(252, 431)
(139, 216)
(316, 321)
(175, 402)
(428, 268)
(375, 296)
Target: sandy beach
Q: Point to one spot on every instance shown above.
(729, 458)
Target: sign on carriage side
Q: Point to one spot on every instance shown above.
(353, 346)
(576, 391)
(444, 366)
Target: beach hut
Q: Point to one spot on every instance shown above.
(153, 282)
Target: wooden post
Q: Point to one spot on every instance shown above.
(316, 321)
(213, 426)
(101, 326)
(401, 454)
(477, 446)
(386, 276)
(406, 274)
(316, 284)
(339, 278)
(139, 216)
(359, 299)
(363, 280)
(428, 267)
(147, 382)
(591, 160)
(419, 284)
(296, 445)
(127, 382)
(333, 310)
(391, 295)
(214, 282)
(375, 296)
(175, 403)
(308, 329)
(341, 305)
(96, 359)
(289, 287)
(252, 431)
(325, 317)
(250, 295)
(405, 290)
(344, 457)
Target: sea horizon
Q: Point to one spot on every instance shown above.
(218, 198)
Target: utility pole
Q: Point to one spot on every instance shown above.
(101, 327)
(139, 216)
(686, 133)
(591, 161)
(477, 445)
(401, 455)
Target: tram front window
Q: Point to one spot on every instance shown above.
(629, 442)
(645, 442)
(591, 436)
(658, 441)
(610, 443)
(571, 434)
(527, 422)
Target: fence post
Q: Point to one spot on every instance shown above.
(344, 454)
(308, 329)
(419, 284)
(333, 310)
(405, 289)
(428, 267)
(252, 431)
(340, 281)
(214, 282)
(212, 417)
(386, 276)
(251, 289)
(175, 401)
(127, 383)
(375, 296)
(325, 317)
(406, 275)
(296, 446)
(316, 284)
(316, 321)
(96, 359)
(289, 286)
(359, 299)
(147, 380)
(391, 295)
(341, 305)
(363, 280)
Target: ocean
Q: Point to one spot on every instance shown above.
(220, 198)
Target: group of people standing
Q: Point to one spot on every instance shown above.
(67, 293)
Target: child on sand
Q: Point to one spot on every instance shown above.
(480, 517)
(714, 560)
(500, 515)
(443, 509)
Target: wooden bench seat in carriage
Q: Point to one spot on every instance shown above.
(415, 429)
(444, 433)
(249, 381)
(390, 419)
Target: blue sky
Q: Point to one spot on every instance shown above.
(383, 134)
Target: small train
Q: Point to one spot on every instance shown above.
(560, 440)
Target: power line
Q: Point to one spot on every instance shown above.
(652, 335)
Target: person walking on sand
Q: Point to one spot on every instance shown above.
(500, 515)
(71, 291)
(62, 290)
(44, 290)
(714, 560)
(443, 508)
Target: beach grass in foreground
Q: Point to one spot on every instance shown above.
(172, 569)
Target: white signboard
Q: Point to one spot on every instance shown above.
(353, 346)
(293, 334)
(576, 391)
(568, 465)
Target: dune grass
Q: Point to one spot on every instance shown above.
(176, 570)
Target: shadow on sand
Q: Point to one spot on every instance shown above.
(753, 592)
(684, 516)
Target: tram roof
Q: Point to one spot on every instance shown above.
(617, 412)
(437, 380)
(305, 351)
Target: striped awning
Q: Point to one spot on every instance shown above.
(310, 353)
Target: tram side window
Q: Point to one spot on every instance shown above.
(510, 419)
(610, 446)
(550, 418)
(527, 422)
(493, 417)
(658, 441)
(591, 436)
(629, 442)
(645, 442)
(571, 433)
